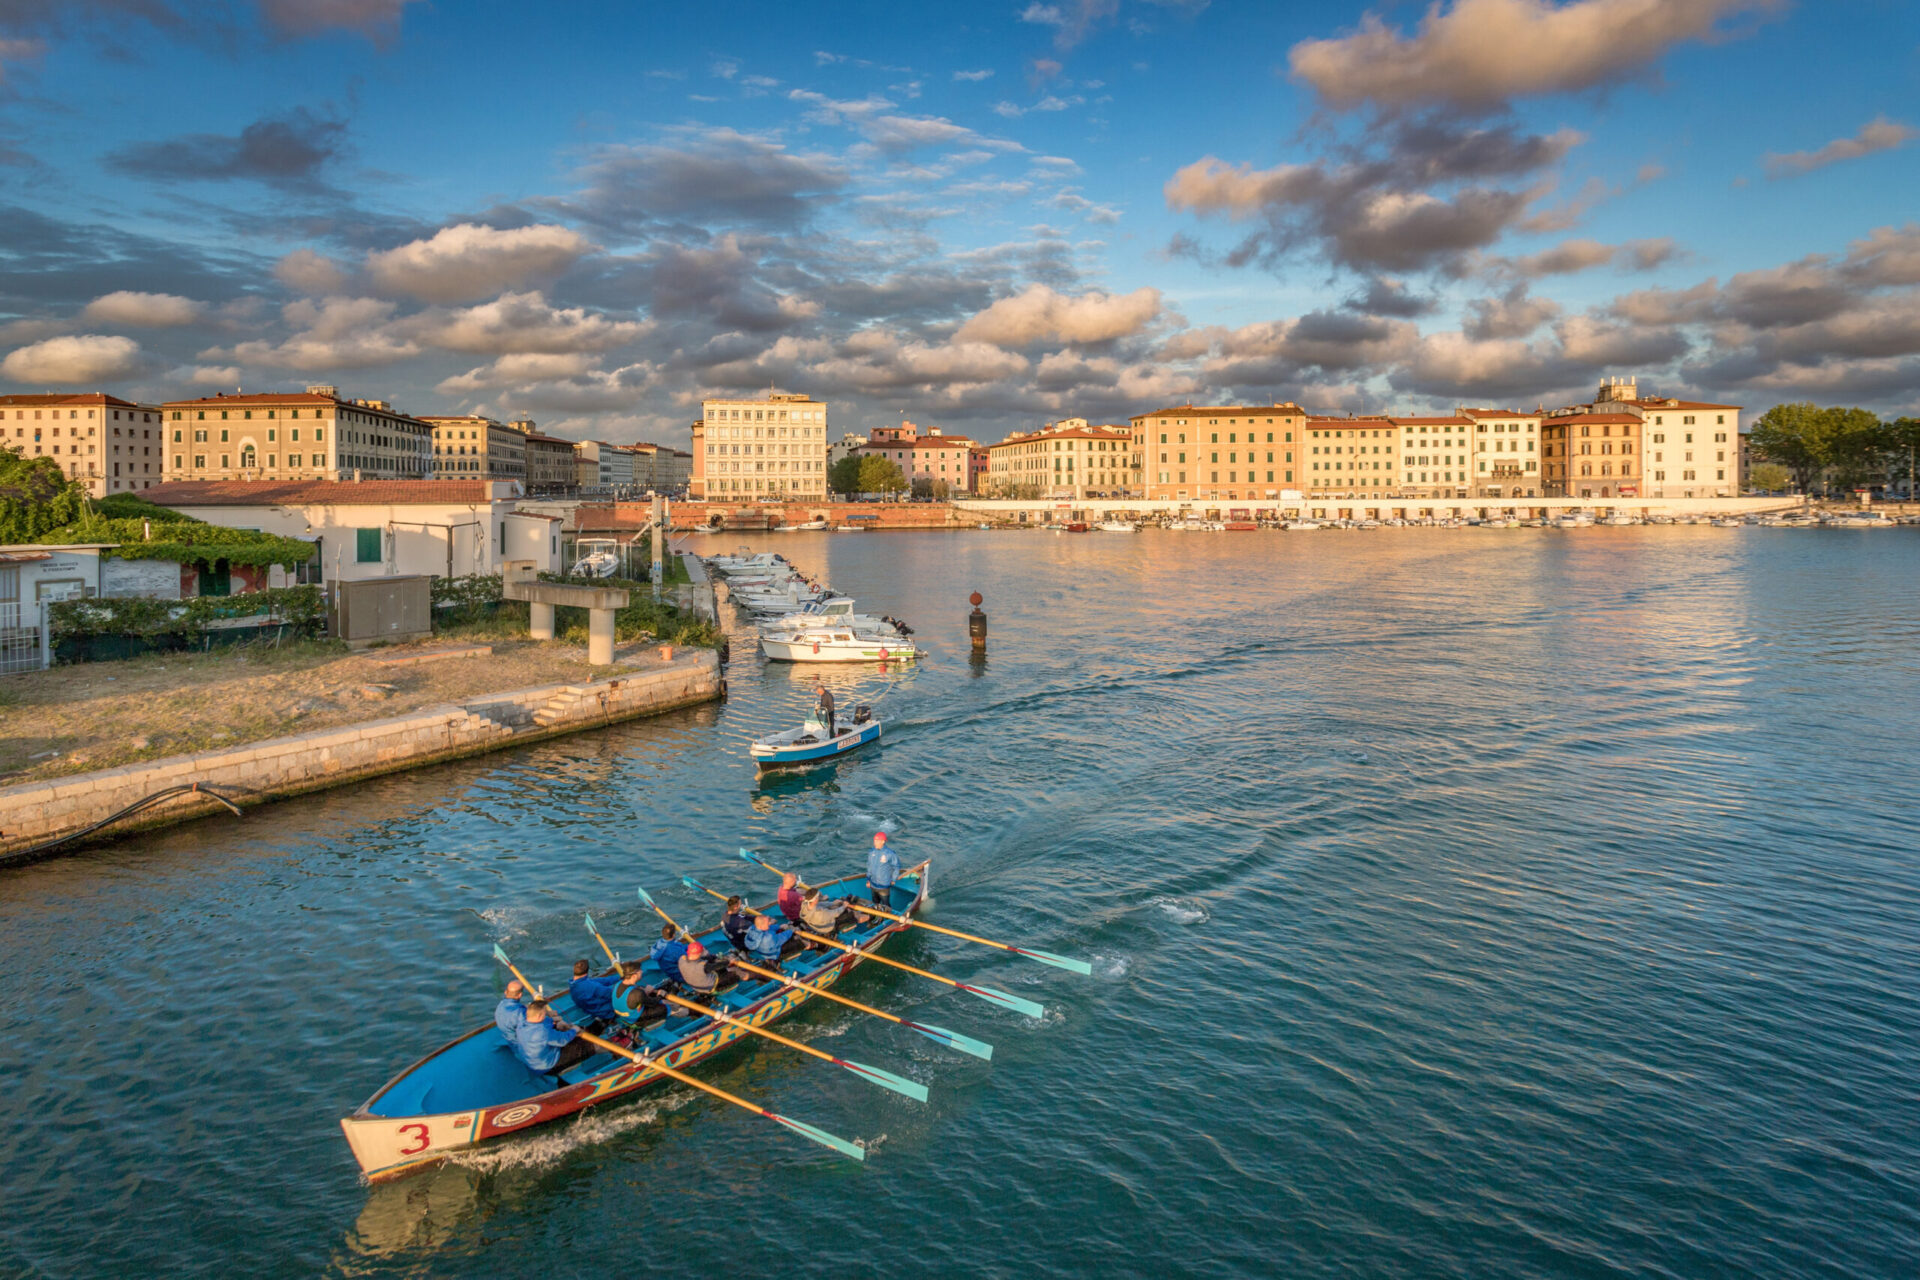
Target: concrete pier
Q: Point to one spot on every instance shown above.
(32, 813)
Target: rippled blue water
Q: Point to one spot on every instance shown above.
(1477, 903)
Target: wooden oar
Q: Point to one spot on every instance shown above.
(939, 1035)
(885, 1079)
(1044, 957)
(805, 1130)
(989, 994)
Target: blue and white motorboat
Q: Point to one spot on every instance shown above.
(811, 744)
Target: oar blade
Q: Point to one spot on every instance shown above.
(954, 1040)
(746, 855)
(644, 896)
(1059, 962)
(821, 1136)
(501, 956)
(590, 928)
(1005, 1001)
(887, 1080)
(695, 885)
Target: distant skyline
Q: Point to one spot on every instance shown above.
(979, 217)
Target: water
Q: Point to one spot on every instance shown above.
(1477, 903)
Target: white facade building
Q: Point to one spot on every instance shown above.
(774, 446)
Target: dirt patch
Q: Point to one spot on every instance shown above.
(102, 715)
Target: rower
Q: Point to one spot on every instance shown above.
(768, 945)
(825, 916)
(883, 868)
(634, 1003)
(702, 973)
(737, 922)
(592, 996)
(789, 897)
(510, 1015)
(666, 953)
(548, 1046)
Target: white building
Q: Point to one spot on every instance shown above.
(774, 446)
(375, 528)
(1506, 453)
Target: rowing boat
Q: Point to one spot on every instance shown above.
(475, 1091)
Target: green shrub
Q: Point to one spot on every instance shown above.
(300, 607)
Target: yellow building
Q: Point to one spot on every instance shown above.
(291, 435)
(476, 448)
(1435, 456)
(102, 442)
(1066, 459)
(1352, 458)
(771, 446)
(1506, 453)
(1232, 452)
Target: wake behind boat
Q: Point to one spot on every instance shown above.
(475, 1090)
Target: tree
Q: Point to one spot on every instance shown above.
(880, 475)
(1902, 447)
(1810, 441)
(35, 497)
(844, 476)
(1769, 477)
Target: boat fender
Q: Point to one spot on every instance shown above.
(816, 646)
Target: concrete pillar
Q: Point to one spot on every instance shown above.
(540, 617)
(600, 637)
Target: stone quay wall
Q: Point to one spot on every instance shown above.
(33, 813)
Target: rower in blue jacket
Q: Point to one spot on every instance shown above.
(883, 868)
(592, 996)
(666, 953)
(765, 943)
(510, 1015)
(547, 1045)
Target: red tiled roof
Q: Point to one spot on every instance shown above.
(1455, 421)
(538, 438)
(1500, 413)
(1242, 409)
(1592, 419)
(84, 397)
(1657, 402)
(263, 397)
(266, 493)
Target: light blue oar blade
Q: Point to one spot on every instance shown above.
(747, 855)
(501, 956)
(695, 885)
(887, 1080)
(1006, 1001)
(954, 1040)
(1058, 962)
(644, 896)
(821, 1136)
(590, 928)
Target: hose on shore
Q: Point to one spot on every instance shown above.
(167, 793)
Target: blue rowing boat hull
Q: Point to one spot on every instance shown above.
(813, 753)
(390, 1142)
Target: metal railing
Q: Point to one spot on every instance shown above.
(24, 642)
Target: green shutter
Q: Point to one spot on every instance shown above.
(367, 546)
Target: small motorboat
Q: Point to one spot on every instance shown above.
(745, 562)
(1301, 526)
(1118, 526)
(837, 644)
(807, 526)
(850, 528)
(598, 558)
(835, 611)
(811, 744)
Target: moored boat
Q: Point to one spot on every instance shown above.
(474, 1090)
(836, 644)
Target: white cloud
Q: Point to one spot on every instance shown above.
(973, 76)
(1481, 52)
(311, 273)
(87, 357)
(1878, 134)
(143, 310)
(1040, 314)
(331, 333)
(469, 261)
(523, 322)
(211, 375)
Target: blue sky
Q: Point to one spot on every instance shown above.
(978, 216)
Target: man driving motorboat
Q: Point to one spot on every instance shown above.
(823, 706)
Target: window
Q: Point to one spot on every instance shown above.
(366, 546)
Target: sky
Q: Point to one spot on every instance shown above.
(976, 216)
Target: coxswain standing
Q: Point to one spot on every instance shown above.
(883, 868)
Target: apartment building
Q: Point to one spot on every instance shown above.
(657, 468)
(1592, 455)
(551, 469)
(772, 446)
(1506, 453)
(315, 434)
(941, 462)
(1233, 452)
(475, 448)
(1435, 456)
(1352, 457)
(1068, 459)
(1693, 449)
(102, 442)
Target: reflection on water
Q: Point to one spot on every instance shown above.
(1460, 903)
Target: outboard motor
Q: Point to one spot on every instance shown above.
(862, 713)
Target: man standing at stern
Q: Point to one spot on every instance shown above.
(883, 868)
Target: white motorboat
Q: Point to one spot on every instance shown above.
(1301, 526)
(1726, 522)
(746, 563)
(805, 526)
(834, 611)
(836, 644)
(811, 744)
(849, 528)
(1618, 522)
(1116, 526)
(777, 604)
(598, 558)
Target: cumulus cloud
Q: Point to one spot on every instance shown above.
(329, 333)
(311, 273)
(714, 177)
(973, 76)
(143, 310)
(471, 261)
(880, 360)
(1072, 20)
(78, 358)
(887, 130)
(1878, 134)
(523, 323)
(1041, 314)
(1480, 53)
(1514, 314)
(1572, 256)
(286, 151)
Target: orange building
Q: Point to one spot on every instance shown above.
(1233, 452)
(1592, 455)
